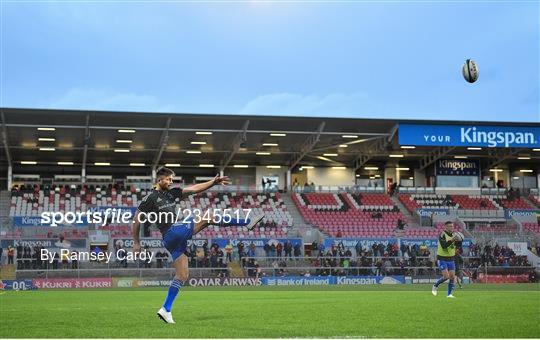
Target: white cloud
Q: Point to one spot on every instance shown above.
(101, 99)
(331, 105)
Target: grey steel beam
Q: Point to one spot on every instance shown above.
(307, 146)
(162, 143)
(85, 150)
(97, 127)
(5, 138)
(501, 155)
(435, 155)
(370, 150)
(238, 140)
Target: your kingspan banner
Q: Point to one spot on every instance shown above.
(470, 135)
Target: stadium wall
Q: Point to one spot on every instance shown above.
(239, 176)
(330, 177)
(419, 178)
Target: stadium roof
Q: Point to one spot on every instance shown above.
(90, 137)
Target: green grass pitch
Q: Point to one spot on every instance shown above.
(480, 311)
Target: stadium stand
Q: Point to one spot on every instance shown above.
(349, 215)
(275, 224)
(431, 201)
(531, 226)
(516, 203)
(535, 200)
(495, 229)
(33, 200)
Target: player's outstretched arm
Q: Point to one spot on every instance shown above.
(196, 188)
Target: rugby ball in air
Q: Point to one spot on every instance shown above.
(470, 71)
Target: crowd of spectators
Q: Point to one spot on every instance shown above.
(377, 259)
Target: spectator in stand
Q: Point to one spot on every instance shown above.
(10, 254)
(389, 248)
(386, 266)
(205, 247)
(423, 249)
(27, 257)
(193, 249)
(532, 276)
(240, 247)
(321, 249)
(381, 249)
(402, 250)
(214, 258)
(279, 249)
(220, 257)
(20, 254)
(314, 249)
(65, 261)
(55, 261)
(40, 263)
(272, 250)
(288, 249)
(165, 259)
(75, 262)
(148, 262)
(400, 225)
(228, 252)
(251, 250)
(297, 251)
(160, 259)
(339, 234)
(358, 248)
(1, 252)
(295, 185)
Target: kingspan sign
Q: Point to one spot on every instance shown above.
(470, 135)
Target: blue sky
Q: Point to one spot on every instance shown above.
(338, 59)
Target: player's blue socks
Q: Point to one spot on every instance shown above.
(450, 287)
(441, 280)
(171, 295)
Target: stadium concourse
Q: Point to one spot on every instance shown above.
(346, 201)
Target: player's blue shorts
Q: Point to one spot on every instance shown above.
(176, 238)
(446, 265)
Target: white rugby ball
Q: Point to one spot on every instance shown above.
(459, 236)
(470, 71)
